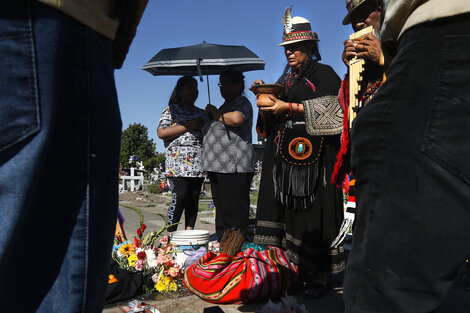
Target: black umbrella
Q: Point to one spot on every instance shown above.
(203, 59)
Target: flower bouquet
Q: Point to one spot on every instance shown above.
(133, 161)
(142, 265)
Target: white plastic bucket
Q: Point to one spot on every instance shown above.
(188, 240)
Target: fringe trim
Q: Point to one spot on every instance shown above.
(294, 186)
(345, 228)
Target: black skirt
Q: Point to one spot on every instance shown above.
(305, 234)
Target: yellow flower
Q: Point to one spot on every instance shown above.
(166, 284)
(132, 259)
(173, 286)
(127, 249)
(160, 286)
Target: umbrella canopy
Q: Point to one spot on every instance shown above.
(203, 59)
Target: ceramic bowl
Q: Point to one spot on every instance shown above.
(263, 92)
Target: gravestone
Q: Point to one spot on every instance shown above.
(134, 181)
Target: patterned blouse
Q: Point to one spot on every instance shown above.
(229, 149)
(183, 154)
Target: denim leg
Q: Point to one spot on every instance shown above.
(58, 191)
(409, 155)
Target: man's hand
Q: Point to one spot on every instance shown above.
(367, 48)
(349, 51)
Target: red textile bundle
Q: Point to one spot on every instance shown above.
(342, 166)
(250, 275)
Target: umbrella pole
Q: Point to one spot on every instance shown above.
(208, 90)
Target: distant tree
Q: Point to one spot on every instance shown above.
(155, 161)
(135, 141)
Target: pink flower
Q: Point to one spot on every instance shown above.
(169, 262)
(139, 265)
(167, 248)
(155, 278)
(174, 271)
(164, 240)
(162, 259)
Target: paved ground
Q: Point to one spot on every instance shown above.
(457, 301)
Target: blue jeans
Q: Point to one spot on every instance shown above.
(410, 150)
(59, 153)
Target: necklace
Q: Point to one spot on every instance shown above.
(291, 78)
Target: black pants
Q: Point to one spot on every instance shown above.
(231, 195)
(410, 154)
(185, 197)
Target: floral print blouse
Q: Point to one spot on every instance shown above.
(183, 154)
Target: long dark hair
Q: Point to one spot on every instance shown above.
(313, 56)
(235, 77)
(180, 84)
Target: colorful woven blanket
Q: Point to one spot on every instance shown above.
(250, 275)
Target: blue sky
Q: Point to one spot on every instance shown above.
(255, 24)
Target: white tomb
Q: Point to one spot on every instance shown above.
(134, 181)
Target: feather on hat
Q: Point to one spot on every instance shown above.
(296, 29)
(287, 20)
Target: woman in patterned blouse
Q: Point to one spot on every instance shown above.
(180, 128)
(228, 154)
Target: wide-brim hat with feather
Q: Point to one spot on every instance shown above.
(296, 29)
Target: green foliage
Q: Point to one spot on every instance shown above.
(149, 239)
(135, 141)
(154, 161)
(254, 197)
(154, 188)
(203, 206)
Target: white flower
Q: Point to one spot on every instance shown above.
(150, 254)
(152, 263)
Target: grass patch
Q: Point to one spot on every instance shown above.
(204, 206)
(253, 197)
(154, 188)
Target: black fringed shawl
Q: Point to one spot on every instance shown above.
(296, 175)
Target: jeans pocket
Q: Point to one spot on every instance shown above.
(18, 88)
(447, 135)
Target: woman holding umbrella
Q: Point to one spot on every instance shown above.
(180, 128)
(228, 154)
(298, 208)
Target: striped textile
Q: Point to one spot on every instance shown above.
(250, 275)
